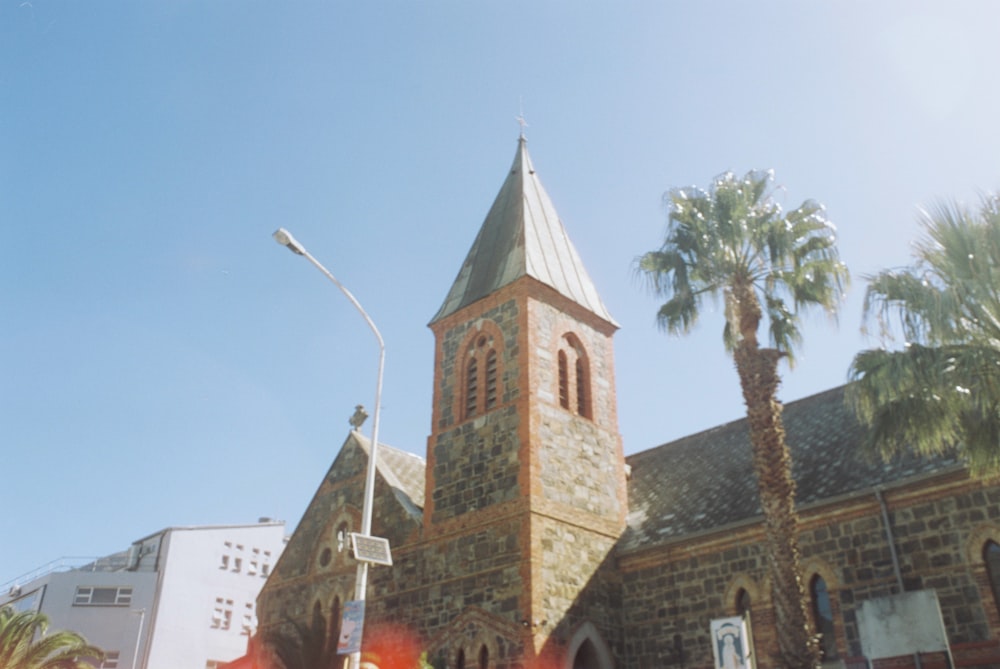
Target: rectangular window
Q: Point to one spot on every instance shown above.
(94, 596)
(222, 615)
(110, 660)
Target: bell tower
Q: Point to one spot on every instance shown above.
(525, 468)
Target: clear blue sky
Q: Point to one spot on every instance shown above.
(163, 362)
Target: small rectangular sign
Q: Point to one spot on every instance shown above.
(731, 643)
(351, 628)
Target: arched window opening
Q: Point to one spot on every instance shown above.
(563, 381)
(991, 555)
(586, 656)
(471, 388)
(574, 377)
(318, 621)
(484, 658)
(334, 634)
(743, 602)
(343, 537)
(482, 377)
(491, 379)
(823, 617)
(582, 401)
(460, 659)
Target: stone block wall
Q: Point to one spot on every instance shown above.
(670, 594)
(475, 464)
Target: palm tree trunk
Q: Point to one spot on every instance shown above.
(757, 369)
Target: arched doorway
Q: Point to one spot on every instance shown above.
(586, 657)
(587, 650)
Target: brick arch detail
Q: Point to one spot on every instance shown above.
(473, 649)
(567, 339)
(490, 631)
(974, 546)
(476, 329)
(816, 566)
(977, 540)
(743, 582)
(588, 632)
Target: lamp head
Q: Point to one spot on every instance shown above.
(284, 237)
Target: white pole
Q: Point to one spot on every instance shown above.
(138, 638)
(285, 238)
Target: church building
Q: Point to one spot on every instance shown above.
(526, 538)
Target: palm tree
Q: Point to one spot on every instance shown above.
(942, 389)
(735, 241)
(24, 644)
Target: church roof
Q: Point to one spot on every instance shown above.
(404, 472)
(522, 236)
(705, 481)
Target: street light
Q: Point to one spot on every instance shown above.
(285, 238)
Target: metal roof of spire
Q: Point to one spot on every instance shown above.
(522, 236)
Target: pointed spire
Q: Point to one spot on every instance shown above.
(522, 236)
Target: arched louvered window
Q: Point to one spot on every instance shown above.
(563, 380)
(574, 377)
(582, 389)
(482, 376)
(471, 387)
(491, 379)
(822, 611)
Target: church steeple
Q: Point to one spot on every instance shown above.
(522, 236)
(524, 459)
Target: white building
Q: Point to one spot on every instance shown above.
(182, 598)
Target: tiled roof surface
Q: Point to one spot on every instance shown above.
(522, 236)
(705, 481)
(403, 471)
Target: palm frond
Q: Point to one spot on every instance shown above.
(732, 236)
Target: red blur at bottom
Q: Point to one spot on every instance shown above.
(396, 647)
(391, 647)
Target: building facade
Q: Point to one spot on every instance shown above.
(182, 598)
(526, 537)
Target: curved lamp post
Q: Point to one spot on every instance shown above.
(285, 238)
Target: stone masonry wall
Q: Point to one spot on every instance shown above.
(670, 595)
(474, 461)
(580, 464)
(580, 583)
(476, 465)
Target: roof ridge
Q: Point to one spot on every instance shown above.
(522, 235)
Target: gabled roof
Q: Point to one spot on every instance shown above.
(522, 236)
(403, 471)
(705, 481)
